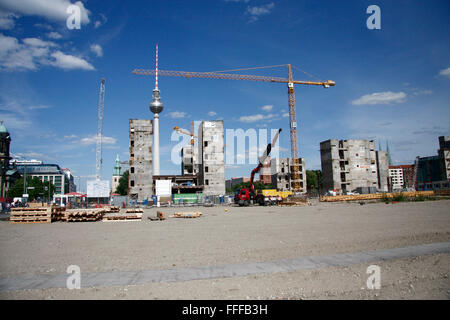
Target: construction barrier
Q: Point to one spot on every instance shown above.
(372, 196)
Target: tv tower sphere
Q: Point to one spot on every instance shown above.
(156, 106)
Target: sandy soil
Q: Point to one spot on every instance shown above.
(241, 235)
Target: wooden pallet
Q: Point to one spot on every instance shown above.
(84, 215)
(30, 215)
(137, 217)
(186, 215)
(134, 210)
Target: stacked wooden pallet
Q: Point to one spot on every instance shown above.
(186, 215)
(123, 217)
(135, 210)
(84, 215)
(30, 215)
(112, 209)
(58, 213)
(372, 196)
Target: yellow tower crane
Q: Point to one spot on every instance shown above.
(295, 175)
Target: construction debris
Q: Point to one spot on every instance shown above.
(112, 209)
(186, 215)
(159, 216)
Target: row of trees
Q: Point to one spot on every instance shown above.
(36, 189)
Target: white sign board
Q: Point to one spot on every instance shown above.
(98, 189)
(163, 187)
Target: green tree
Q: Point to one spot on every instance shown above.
(312, 180)
(257, 185)
(36, 189)
(122, 187)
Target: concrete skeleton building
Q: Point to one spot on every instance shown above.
(189, 160)
(141, 164)
(265, 174)
(211, 151)
(281, 170)
(353, 165)
(396, 177)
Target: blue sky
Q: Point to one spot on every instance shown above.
(391, 84)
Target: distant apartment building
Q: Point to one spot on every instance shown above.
(351, 165)
(281, 170)
(141, 164)
(396, 177)
(69, 185)
(211, 157)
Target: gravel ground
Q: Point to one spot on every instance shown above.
(240, 235)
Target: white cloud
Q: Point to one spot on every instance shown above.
(55, 10)
(445, 72)
(285, 115)
(177, 114)
(54, 35)
(7, 21)
(35, 42)
(30, 53)
(212, 113)
(72, 136)
(69, 62)
(387, 97)
(39, 107)
(256, 117)
(93, 140)
(267, 108)
(97, 49)
(98, 23)
(257, 11)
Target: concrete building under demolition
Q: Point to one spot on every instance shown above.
(353, 165)
(189, 160)
(141, 165)
(211, 157)
(281, 169)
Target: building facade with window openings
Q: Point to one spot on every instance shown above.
(140, 181)
(396, 177)
(350, 165)
(47, 173)
(211, 157)
(281, 169)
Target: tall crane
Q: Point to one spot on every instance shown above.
(291, 99)
(101, 102)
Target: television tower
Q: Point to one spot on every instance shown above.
(156, 107)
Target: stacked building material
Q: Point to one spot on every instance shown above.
(186, 215)
(112, 209)
(84, 215)
(30, 215)
(58, 213)
(135, 210)
(372, 196)
(123, 217)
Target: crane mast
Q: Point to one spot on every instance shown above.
(99, 161)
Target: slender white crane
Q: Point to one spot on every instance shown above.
(99, 160)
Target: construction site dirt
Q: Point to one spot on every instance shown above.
(321, 251)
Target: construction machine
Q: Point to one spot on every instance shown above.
(245, 196)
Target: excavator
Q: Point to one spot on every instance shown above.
(247, 195)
